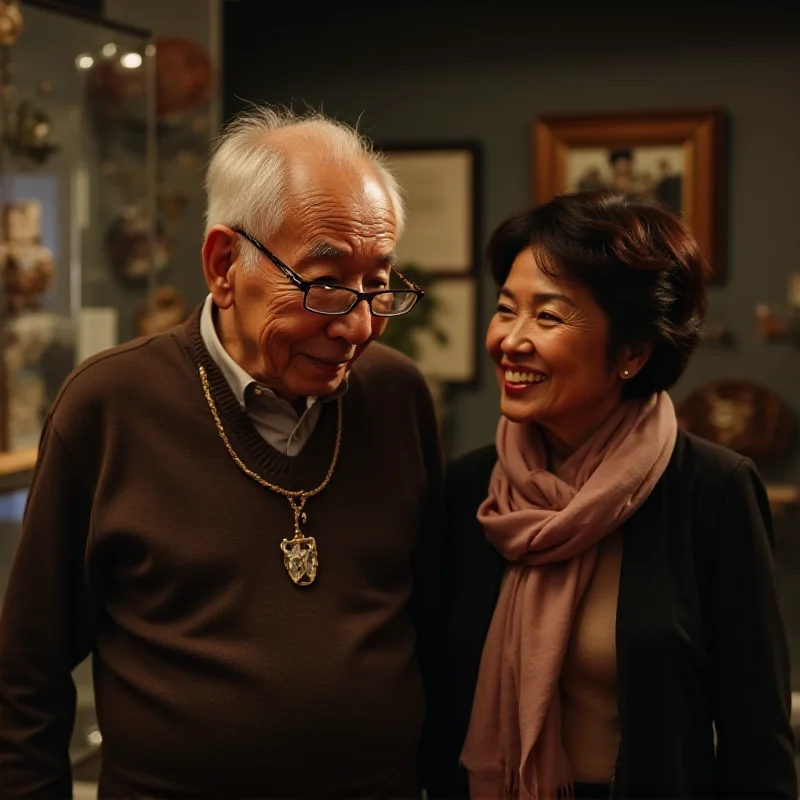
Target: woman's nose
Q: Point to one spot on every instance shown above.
(517, 340)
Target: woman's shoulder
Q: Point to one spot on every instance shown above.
(711, 479)
(698, 459)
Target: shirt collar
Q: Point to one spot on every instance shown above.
(237, 378)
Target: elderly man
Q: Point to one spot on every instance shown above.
(232, 517)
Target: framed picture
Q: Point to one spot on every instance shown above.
(447, 349)
(674, 156)
(440, 187)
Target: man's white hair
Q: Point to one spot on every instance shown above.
(246, 181)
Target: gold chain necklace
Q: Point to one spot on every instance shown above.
(300, 556)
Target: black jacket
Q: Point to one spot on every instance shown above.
(700, 640)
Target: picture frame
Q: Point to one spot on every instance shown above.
(676, 156)
(452, 359)
(440, 184)
(441, 248)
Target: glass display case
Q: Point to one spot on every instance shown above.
(80, 248)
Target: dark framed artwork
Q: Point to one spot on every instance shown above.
(447, 351)
(440, 249)
(675, 156)
(440, 187)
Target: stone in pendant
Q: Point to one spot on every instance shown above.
(301, 559)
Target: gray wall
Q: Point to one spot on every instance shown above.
(441, 74)
(477, 71)
(438, 74)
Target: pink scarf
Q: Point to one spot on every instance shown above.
(548, 527)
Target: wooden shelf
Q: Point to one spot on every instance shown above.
(16, 468)
(782, 495)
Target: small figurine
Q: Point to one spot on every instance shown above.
(11, 23)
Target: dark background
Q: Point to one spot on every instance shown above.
(414, 73)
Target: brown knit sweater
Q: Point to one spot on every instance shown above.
(145, 544)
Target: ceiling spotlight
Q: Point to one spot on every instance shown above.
(109, 50)
(131, 60)
(84, 61)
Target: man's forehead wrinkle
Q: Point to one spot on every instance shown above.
(321, 250)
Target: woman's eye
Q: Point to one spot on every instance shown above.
(503, 309)
(548, 317)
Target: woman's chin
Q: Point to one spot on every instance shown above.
(518, 412)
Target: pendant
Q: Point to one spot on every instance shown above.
(301, 559)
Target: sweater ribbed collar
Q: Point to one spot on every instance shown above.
(303, 471)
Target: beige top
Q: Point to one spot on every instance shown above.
(589, 710)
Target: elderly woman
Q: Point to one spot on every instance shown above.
(614, 628)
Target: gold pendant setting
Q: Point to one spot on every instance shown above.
(301, 559)
(300, 556)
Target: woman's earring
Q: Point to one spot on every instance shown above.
(625, 374)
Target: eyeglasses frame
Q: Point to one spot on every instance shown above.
(305, 286)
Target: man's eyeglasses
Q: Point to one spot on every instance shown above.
(338, 300)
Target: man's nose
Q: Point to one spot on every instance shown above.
(354, 327)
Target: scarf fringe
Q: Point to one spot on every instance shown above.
(512, 789)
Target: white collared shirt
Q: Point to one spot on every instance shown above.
(273, 417)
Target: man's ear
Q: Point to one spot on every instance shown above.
(633, 358)
(221, 254)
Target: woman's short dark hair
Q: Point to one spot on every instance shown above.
(638, 259)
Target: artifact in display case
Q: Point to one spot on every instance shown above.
(29, 267)
(184, 85)
(71, 220)
(29, 272)
(164, 309)
(10, 22)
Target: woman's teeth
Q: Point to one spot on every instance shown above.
(524, 377)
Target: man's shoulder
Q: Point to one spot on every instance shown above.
(380, 362)
(388, 385)
(117, 375)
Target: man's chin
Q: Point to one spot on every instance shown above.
(317, 387)
(320, 389)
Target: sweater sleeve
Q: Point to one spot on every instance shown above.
(750, 683)
(45, 629)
